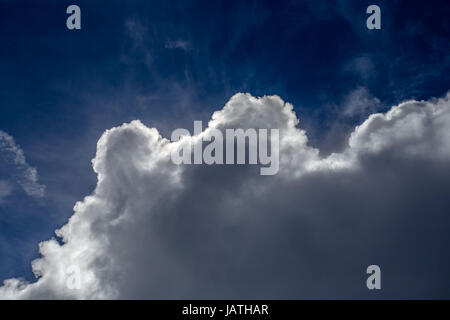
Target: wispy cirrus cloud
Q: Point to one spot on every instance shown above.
(5, 190)
(17, 170)
(178, 44)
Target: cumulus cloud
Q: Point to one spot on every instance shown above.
(17, 169)
(152, 229)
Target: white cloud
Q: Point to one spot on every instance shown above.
(155, 230)
(360, 102)
(21, 172)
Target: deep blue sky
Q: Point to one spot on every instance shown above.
(171, 62)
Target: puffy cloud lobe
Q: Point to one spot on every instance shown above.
(153, 229)
(418, 128)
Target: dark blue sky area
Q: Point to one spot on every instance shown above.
(171, 62)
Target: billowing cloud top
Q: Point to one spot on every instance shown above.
(152, 229)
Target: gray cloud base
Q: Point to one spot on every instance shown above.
(152, 229)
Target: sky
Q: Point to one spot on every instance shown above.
(363, 176)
